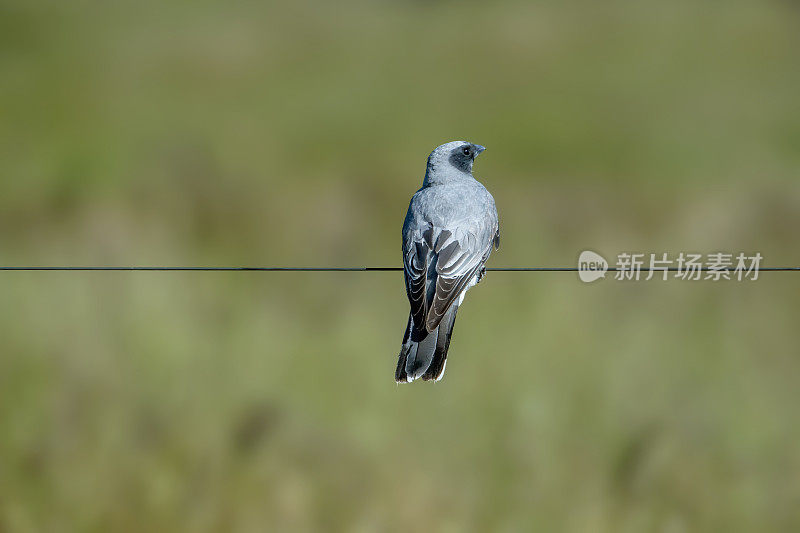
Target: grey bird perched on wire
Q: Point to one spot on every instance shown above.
(450, 229)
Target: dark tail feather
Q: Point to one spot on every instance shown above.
(436, 370)
(424, 354)
(400, 373)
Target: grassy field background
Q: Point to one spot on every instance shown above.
(245, 133)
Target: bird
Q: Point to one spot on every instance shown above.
(450, 230)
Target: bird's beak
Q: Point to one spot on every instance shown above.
(478, 149)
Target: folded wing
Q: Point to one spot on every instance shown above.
(439, 264)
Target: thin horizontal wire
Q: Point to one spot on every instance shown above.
(346, 269)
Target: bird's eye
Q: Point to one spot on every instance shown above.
(465, 150)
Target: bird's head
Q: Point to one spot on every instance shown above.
(451, 159)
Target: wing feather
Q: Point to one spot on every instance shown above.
(439, 264)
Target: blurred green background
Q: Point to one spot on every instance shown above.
(247, 133)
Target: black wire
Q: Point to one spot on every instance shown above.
(343, 269)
